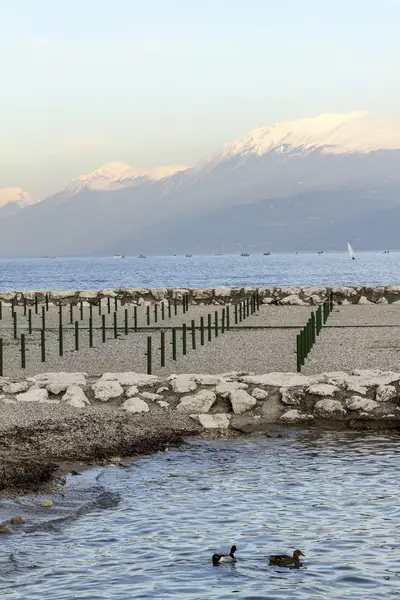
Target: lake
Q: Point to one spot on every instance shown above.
(370, 268)
(149, 530)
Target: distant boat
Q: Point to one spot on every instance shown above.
(118, 256)
(188, 256)
(350, 251)
(49, 257)
(320, 252)
(142, 256)
(219, 254)
(244, 254)
(267, 254)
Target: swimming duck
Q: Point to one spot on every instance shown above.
(219, 559)
(284, 560)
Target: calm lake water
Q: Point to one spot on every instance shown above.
(149, 530)
(200, 271)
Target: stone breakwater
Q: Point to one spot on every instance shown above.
(55, 417)
(286, 296)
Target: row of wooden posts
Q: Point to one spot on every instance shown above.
(214, 324)
(308, 335)
(241, 311)
(171, 307)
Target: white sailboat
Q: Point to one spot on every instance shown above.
(350, 251)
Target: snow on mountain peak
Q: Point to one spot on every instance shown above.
(117, 175)
(16, 195)
(329, 133)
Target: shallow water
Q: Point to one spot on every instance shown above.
(149, 530)
(200, 271)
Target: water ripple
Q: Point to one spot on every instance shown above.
(152, 532)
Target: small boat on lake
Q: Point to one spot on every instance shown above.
(350, 251)
(267, 254)
(245, 254)
(142, 256)
(49, 257)
(118, 256)
(188, 256)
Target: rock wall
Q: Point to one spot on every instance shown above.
(237, 401)
(292, 296)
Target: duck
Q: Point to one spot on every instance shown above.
(284, 560)
(219, 559)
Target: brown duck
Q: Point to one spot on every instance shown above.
(283, 560)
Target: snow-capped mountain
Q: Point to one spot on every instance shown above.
(357, 132)
(15, 195)
(303, 184)
(116, 175)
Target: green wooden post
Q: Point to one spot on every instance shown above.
(298, 352)
(248, 307)
(216, 323)
(90, 332)
(24, 307)
(90, 310)
(30, 320)
(193, 330)
(116, 303)
(81, 309)
(209, 327)
(184, 339)
(236, 314)
(175, 306)
(47, 302)
(99, 306)
(169, 308)
(228, 318)
(162, 348)
(43, 317)
(126, 322)
(1, 358)
(60, 333)
(148, 354)
(223, 321)
(313, 335)
(155, 313)
(202, 331)
(109, 305)
(240, 312)
(103, 328)
(15, 325)
(1, 310)
(36, 304)
(162, 311)
(76, 336)
(43, 345)
(148, 316)
(23, 357)
(173, 343)
(71, 313)
(115, 326)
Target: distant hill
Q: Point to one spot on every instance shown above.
(303, 185)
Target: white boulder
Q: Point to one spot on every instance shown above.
(33, 395)
(259, 394)
(241, 401)
(56, 383)
(182, 384)
(150, 396)
(135, 405)
(225, 388)
(329, 409)
(295, 417)
(215, 421)
(291, 396)
(279, 380)
(384, 393)
(207, 379)
(133, 390)
(323, 389)
(364, 404)
(75, 396)
(131, 378)
(162, 403)
(15, 388)
(106, 390)
(197, 403)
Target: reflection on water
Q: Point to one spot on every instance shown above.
(149, 530)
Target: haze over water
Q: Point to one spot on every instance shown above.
(370, 268)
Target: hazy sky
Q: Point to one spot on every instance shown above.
(152, 82)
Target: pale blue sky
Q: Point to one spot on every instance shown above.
(153, 82)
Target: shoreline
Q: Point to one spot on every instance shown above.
(54, 423)
(220, 295)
